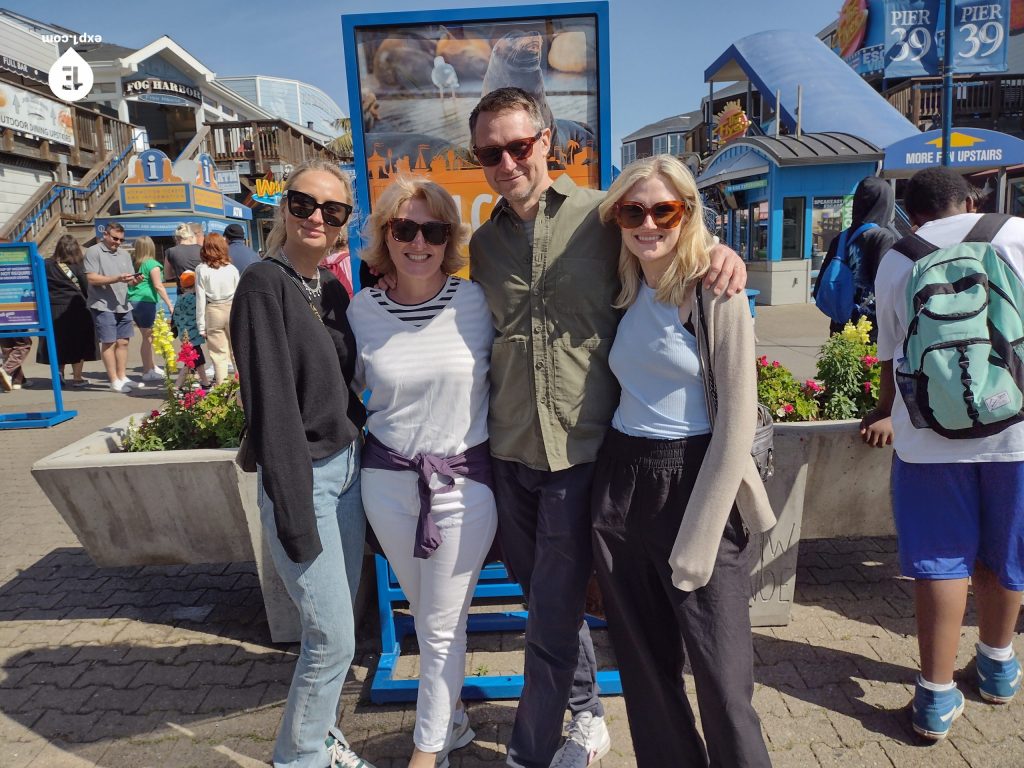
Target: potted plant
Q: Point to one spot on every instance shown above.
(827, 482)
(163, 488)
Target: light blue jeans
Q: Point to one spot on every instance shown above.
(323, 590)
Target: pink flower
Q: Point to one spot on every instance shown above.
(812, 386)
(867, 387)
(762, 360)
(788, 408)
(154, 413)
(776, 363)
(869, 360)
(200, 393)
(188, 355)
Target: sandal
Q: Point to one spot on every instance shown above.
(79, 383)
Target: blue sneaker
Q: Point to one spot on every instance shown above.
(998, 681)
(933, 712)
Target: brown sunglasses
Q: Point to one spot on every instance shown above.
(665, 215)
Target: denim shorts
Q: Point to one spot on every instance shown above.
(111, 326)
(949, 516)
(144, 313)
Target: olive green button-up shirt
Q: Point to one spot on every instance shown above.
(552, 392)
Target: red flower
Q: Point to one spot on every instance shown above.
(762, 360)
(200, 393)
(812, 386)
(776, 363)
(788, 408)
(869, 360)
(188, 356)
(154, 413)
(867, 387)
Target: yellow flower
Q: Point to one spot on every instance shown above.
(863, 330)
(163, 342)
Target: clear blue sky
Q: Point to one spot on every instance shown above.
(659, 48)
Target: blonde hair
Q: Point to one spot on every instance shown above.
(440, 203)
(279, 233)
(692, 250)
(183, 234)
(143, 249)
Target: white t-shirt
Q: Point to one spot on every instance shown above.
(924, 446)
(429, 386)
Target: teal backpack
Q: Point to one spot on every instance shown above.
(962, 373)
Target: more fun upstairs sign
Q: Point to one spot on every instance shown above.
(969, 148)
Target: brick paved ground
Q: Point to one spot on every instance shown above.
(173, 666)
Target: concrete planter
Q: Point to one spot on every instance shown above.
(827, 484)
(133, 509)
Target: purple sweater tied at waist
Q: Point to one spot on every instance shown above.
(436, 473)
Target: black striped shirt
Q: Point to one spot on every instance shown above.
(418, 314)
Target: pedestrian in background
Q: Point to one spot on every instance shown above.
(339, 261)
(110, 273)
(73, 332)
(144, 297)
(241, 254)
(14, 352)
(216, 281)
(185, 326)
(183, 256)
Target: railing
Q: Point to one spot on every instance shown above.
(55, 202)
(95, 136)
(198, 145)
(263, 143)
(988, 98)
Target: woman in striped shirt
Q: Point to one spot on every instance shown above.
(423, 350)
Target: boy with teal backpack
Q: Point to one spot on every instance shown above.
(951, 339)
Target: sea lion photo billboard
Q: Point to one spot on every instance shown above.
(413, 79)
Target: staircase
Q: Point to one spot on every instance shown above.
(57, 209)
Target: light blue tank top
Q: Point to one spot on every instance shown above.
(655, 360)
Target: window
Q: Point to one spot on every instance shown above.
(759, 231)
(628, 153)
(793, 227)
(827, 221)
(670, 144)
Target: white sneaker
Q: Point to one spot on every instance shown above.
(342, 756)
(121, 386)
(209, 371)
(156, 374)
(461, 735)
(587, 742)
(134, 384)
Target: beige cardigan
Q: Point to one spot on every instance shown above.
(728, 473)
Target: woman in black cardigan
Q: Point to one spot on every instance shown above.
(296, 357)
(73, 329)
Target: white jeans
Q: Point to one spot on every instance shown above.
(440, 588)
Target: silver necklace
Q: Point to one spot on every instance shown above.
(313, 290)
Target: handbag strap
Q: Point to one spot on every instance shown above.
(70, 275)
(704, 350)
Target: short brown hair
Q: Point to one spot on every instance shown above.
(214, 252)
(507, 99)
(440, 203)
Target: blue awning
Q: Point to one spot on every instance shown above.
(139, 225)
(835, 98)
(235, 210)
(739, 166)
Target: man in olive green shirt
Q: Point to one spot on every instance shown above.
(548, 268)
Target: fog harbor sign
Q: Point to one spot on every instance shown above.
(162, 92)
(972, 148)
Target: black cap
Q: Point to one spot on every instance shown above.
(234, 232)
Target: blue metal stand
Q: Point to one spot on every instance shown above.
(12, 273)
(494, 582)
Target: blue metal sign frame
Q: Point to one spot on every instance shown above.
(351, 23)
(43, 327)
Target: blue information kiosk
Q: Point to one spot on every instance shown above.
(25, 311)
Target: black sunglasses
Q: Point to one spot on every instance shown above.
(434, 232)
(518, 150)
(115, 239)
(302, 205)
